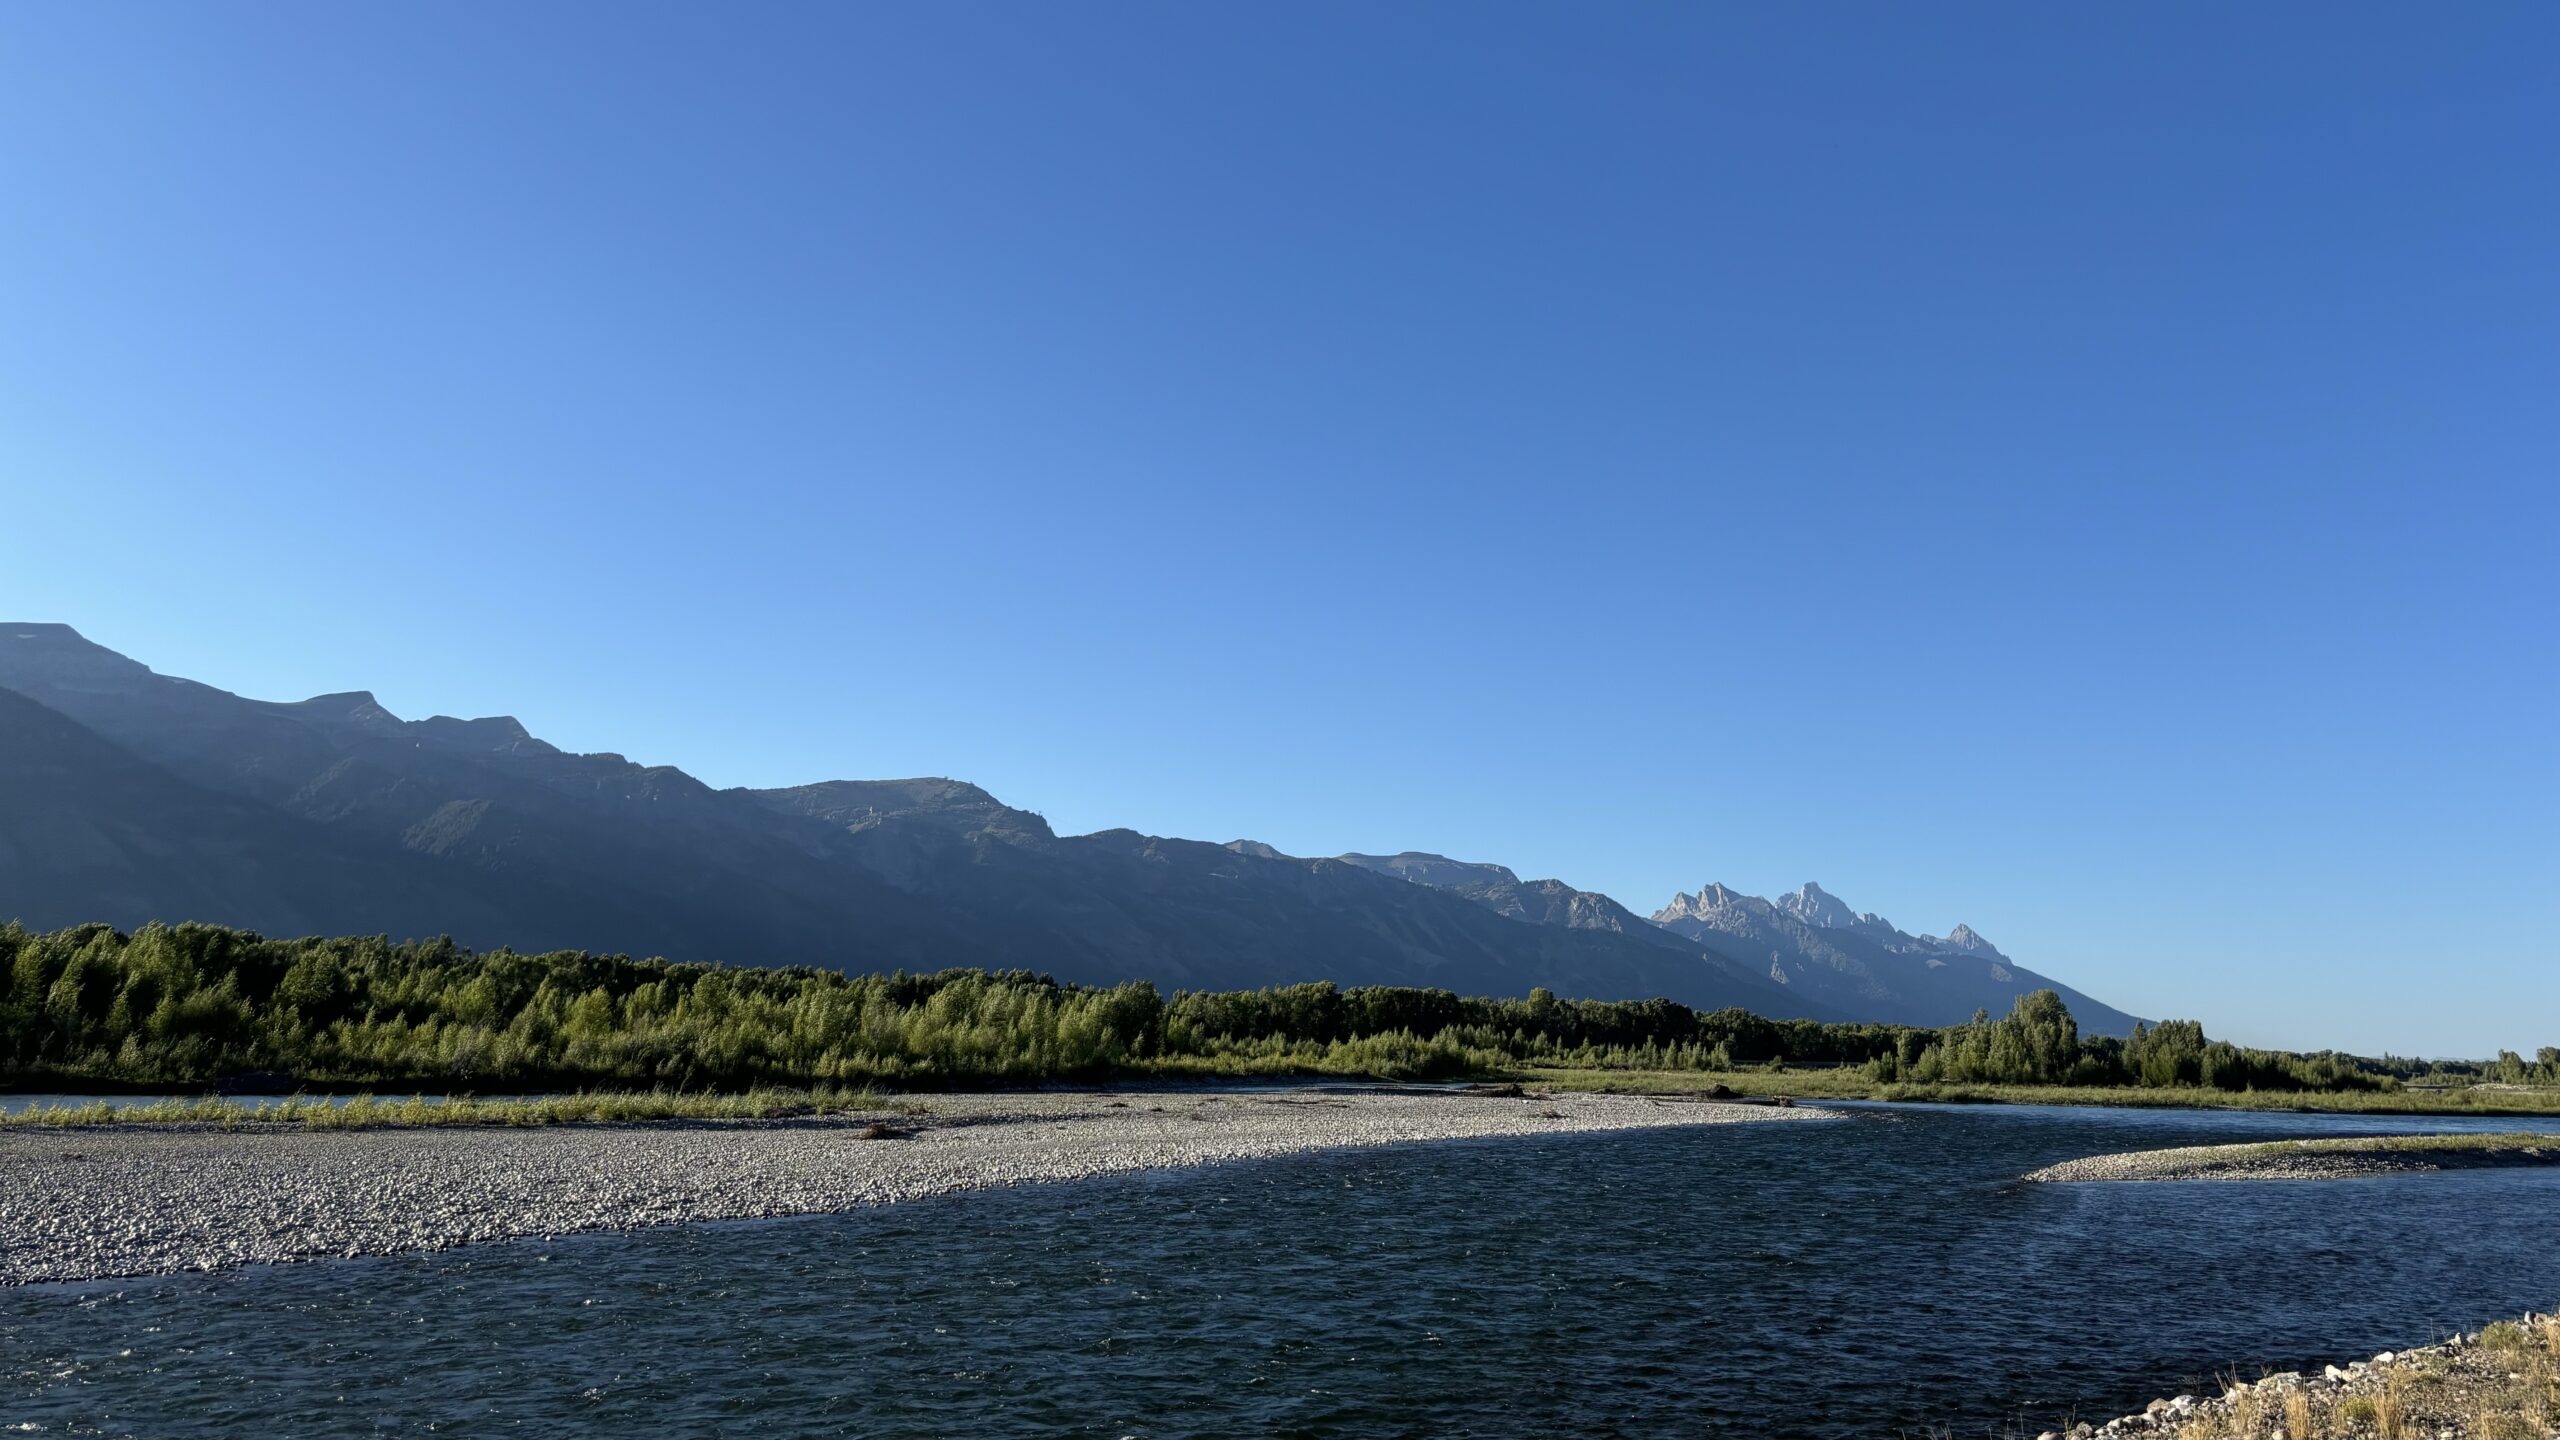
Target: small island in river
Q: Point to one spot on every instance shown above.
(2338, 1158)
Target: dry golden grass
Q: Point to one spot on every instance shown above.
(2497, 1423)
(2502, 1384)
(2391, 1407)
(2242, 1414)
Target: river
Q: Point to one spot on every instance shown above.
(1886, 1275)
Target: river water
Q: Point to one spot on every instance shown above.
(1882, 1275)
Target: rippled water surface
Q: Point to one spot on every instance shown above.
(1882, 1274)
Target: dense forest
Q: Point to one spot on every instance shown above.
(191, 1005)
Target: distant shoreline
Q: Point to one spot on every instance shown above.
(1848, 1084)
(1757, 1086)
(107, 1201)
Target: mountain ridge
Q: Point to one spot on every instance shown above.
(476, 827)
(1816, 944)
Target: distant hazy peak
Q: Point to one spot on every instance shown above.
(831, 799)
(1256, 849)
(59, 655)
(343, 700)
(1712, 897)
(1816, 906)
(858, 804)
(359, 711)
(1812, 905)
(59, 658)
(1966, 939)
(1438, 871)
(506, 725)
(489, 732)
(355, 709)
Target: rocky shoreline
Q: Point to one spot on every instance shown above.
(2326, 1159)
(2502, 1383)
(126, 1200)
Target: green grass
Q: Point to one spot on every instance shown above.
(2507, 1336)
(1848, 1084)
(367, 1112)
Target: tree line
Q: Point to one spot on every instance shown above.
(190, 1005)
(2038, 1043)
(2509, 1068)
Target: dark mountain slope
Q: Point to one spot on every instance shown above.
(533, 847)
(583, 851)
(1192, 914)
(92, 832)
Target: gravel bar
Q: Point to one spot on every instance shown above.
(2325, 1159)
(111, 1201)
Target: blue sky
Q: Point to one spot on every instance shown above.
(2087, 472)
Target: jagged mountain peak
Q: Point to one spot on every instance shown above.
(1859, 962)
(1712, 897)
(1816, 906)
(1970, 941)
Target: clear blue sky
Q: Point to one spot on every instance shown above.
(2084, 471)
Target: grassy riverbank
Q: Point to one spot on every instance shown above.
(784, 1102)
(1850, 1084)
(2500, 1384)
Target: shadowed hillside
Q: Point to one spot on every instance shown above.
(333, 814)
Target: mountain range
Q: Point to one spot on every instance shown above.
(129, 796)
